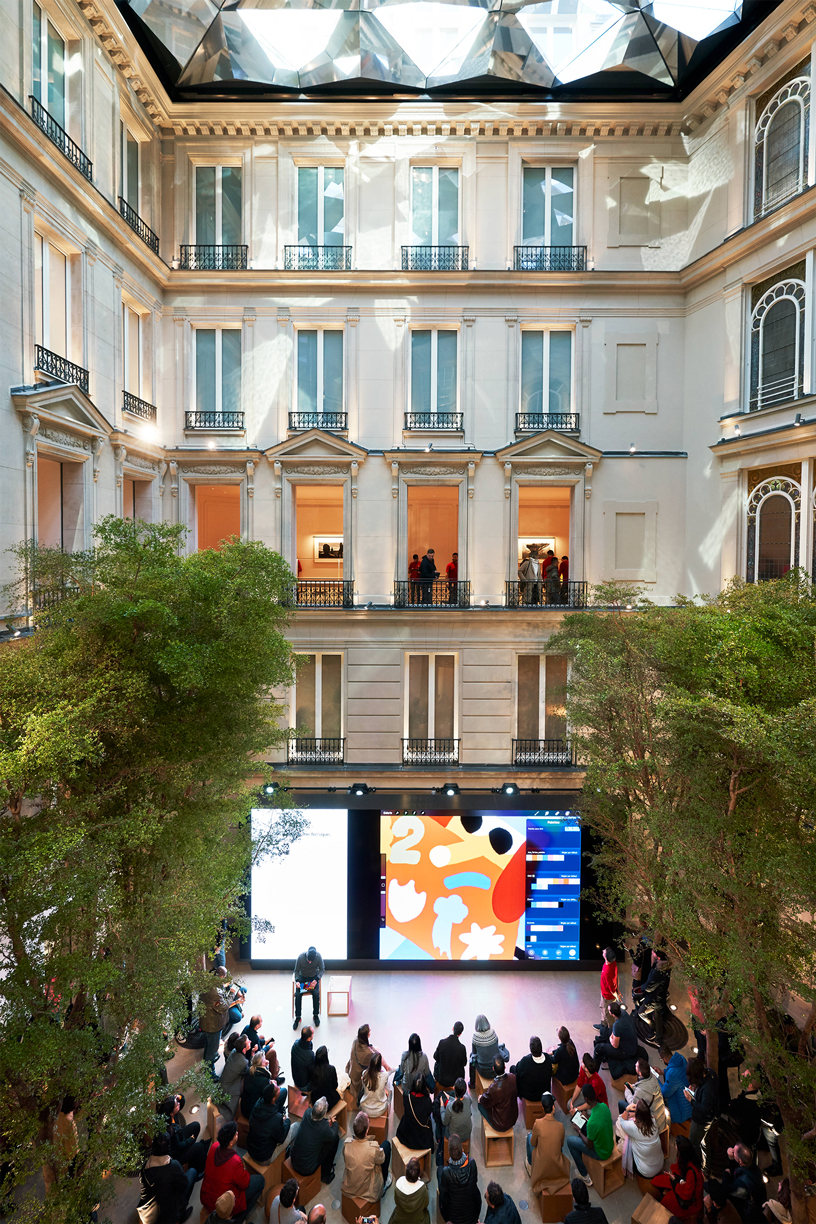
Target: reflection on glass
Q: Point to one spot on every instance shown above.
(307, 371)
(205, 205)
(230, 205)
(422, 205)
(205, 370)
(446, 371)
(560, 371)
(420, 371)
(230, 370)
(532, 371)
(332, 371)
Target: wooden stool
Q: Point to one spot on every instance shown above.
(340, 1112)
(399, 1103)
(465, 1148)
(498, 1146)
(680, 1128)
(338, 997)
(554, 1207)
(620, 1084)
(533, 1110)
(243, 1127)
(483, 1084)
(664, 1141)
(309, 1183)
(351, 1100)
(271, 1172)
(649, 1211)
(296, 1102)
(645, 1186)
(562, 1093)
(378, 1129)
(440, 1088)
(353, 1207)
(400, 1155)
(270, 1198)
(607, 1175)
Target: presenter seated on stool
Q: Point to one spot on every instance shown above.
(309, 970)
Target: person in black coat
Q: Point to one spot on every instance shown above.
(324, 1079)
(459, 1198)
(704, 1093)
(583, 1211)
(255, 1081)
(500, 1207)
(184, 1144)
(450, 1058)
(415, 1129)
(533, 1072)
(427, 574)
(302, 1059)
(268, 1125)
(163, 1179)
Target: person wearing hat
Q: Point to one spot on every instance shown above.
(224, 1207)
(308, 972)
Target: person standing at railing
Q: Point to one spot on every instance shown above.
(428, 573)
(413, 579)
(552, 584)
(452, 574)
(563, 574)
(529, 573)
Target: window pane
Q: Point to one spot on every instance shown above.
(782, 153)
(446, 371)
(38, 289)
(307, 206)
(533, 204)
(560, 371)
(448, 207)
(333, 206)
(562, 207)
(132, 195)
(231, 370)
(555, 696)
(307, 371)
(443, 697)
(205, 204)
(36, 49)
(330, 697)
(775, 521)
(418, 696)
(56, 76)
(332, 371)
(532, 371)
(420, 371)
(421, 205)
(779, 347)
(230, 205)
(205, 370)
(305, 696)
(528, 696)
(133, 380)
(57, 315)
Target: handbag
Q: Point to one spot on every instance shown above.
(149, 1213)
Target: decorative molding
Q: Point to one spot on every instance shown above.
(120, 455)
(354, 469)
(65, 439)
(548, 471)
(96, 448)
(588, 469)
(394, 479)
(508, 478)
(144, 465)
(122, 60)
(318, 469)
(31, 425)
(162, 470)
(250, 478)
(430, 470)
(28, 196)
(276, 467)
(210, 469)
(471, 472)
(173, 479)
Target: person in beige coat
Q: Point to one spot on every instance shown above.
(546, 1163)
(367, 1162)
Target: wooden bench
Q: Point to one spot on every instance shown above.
(353, 1207)
(498, 1146)
(607, 1175)
(645, 1186)
(465, 1148)
(533, 1110)
(270, 1198)
(554, 1207)
(309, 1182)
(270, 1172)
(378, 1129)
(664, 1141)
(296, 1102)
(340, 1112)
(649, 1211)
(562, 1093)
(620, 1083)
(399, 1103)
(680, 1128)
(338, 999)
(243, 1127)
(400, 1155)
(483, 1083)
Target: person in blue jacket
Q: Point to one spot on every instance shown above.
(675, 1079)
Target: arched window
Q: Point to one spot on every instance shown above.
(773, 529)
(781, 143)
(778, 345)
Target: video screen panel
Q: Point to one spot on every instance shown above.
(481, 886)
(302, 897)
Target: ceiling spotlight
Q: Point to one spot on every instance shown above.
(358, 788)
(673, 1007)
(798, 420)
(270, 788)
(195, 1109)
(450, 788)
(509, 788)
(631, 448)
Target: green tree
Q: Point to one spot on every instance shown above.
(696, 725)
(134, 724)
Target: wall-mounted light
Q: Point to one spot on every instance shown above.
(798, 420)
(631, 448)
(358, 788)
(509, 788)
(211, 445)
(450, 788)
(737, 431)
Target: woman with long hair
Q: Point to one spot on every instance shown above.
(360, 1057)
(565, 1058)
(324, 1079)
(643, 1151)
(414, 1062)
(374, 1089)
(680, 1190)
(415, 1129)
(457, 1112)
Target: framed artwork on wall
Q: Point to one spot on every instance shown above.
(328, 548)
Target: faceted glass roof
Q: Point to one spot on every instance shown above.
(554, 48)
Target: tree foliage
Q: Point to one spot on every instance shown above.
(133, 728)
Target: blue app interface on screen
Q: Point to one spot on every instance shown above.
(553, 886)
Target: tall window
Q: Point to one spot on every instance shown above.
(321, 206)
(778, 341)
(434, 206)
(48, 49)
(50, 296)
(131, 348)
(773, 528)
(546, 372)
(320, 371)
(431, 712)
(781, 143)
(218, 205)
(318, 696)
(218, 370)
(433, 372)
(129, 160)
(548, 206)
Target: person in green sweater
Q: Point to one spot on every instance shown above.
(410, 1198)
(598, 1140)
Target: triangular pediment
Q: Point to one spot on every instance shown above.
(62, 404)
(549, 446)
(315, 444)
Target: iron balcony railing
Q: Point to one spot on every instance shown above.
(543, 752)
(536, 594)
(438, 594)
(213, 420)
(324, 593)
(329, 421)
(434, 420)
(203, 258)
(139, 408)
(316, 751)
(58, 135)
(59, 367)
(777, 391)
(550, 258)
(138, 226)
(787, 189)
(317, 258)
(435, 258)
(535, 422)
(430, 752)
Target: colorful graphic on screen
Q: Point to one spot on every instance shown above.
(481, 886)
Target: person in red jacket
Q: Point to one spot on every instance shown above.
(225, 1170)
(452, 575)
(609, 981)
(587, 1075)
(680, 1190)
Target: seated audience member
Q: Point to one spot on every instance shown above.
(588, 1074)
(680, 1190)
(618, 1046)
(646, 1088)
(232, 1077)
(224, 1208)
(374, 1096)
(414, 1062)
(533, 1072)
(609, 981)
(324, 1079)
(302, 1060)
(184, 1145)
(360, 1057)
(213, 1021)
(225, 1170)
(256, 1079)
(450, 1057)
(309, 969)
(582, 1210)
(459, 1198)
(499, 1104)
(546, 1163)
(367, 1162)
(778, 1210)
(410, 1197)
(415, 1129)
(315, 1144)
(485, 1046)
(642, 1150)
(651, 998)
(284, 1208)
(741, 1184)
(598, 1139)
(164, 1180)
(268, 1124)
(457, 1112)
(704, 1094)
(257, 1041)
(235, 996)
(675, 1081)
(500, 1207)
(565, 1058)
(317, 1214)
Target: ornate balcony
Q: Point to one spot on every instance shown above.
(316, 751)
(435, 258)
(529, 595)
(324, 593)
(550, 258)
(439, 595)
(535, 422)
(317, 258)
(430, 752)
(543, 752)
(434, 420)
(203, 258)
(336, 422)
(138, 408)
(61, 139)
(60, 368)
(213, 420)
(138, 226)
